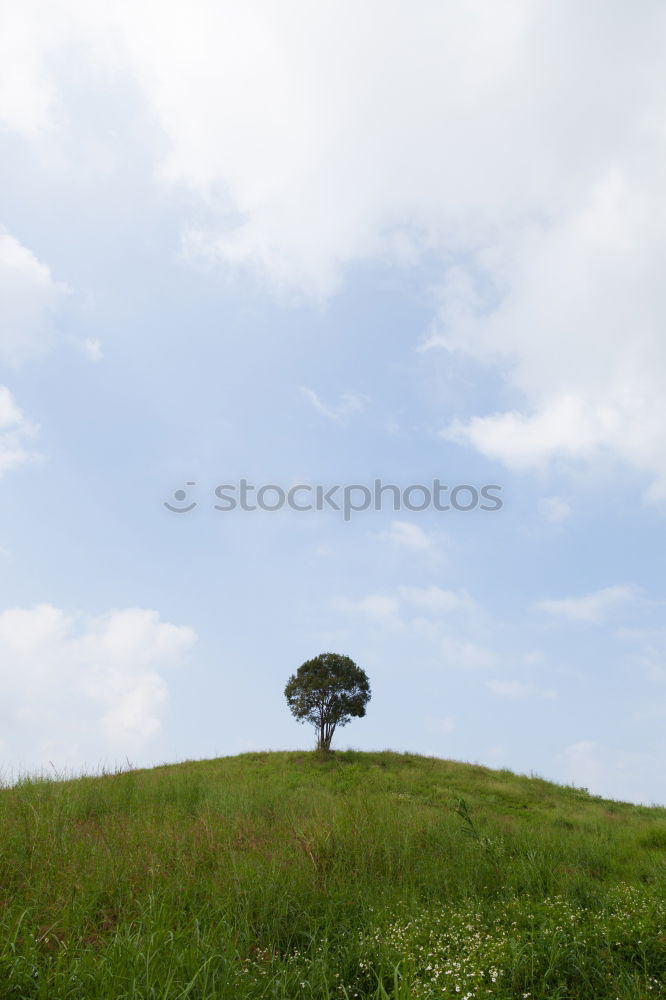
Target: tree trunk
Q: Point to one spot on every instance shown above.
(326, 730)
(325, 736)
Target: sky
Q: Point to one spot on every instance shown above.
(322, 245)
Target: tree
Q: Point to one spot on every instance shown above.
(327, 692)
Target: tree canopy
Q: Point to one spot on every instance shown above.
(328, 691)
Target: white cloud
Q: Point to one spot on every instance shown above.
(409, 536)
(438, 619)
(80, 689)
(376, 606)
(555, 509)
(313, 140)
(522, 440)
(349, 404)
(29, 297)
(593, 607)
(577, 332)
(614, 772)
(26, 93)
(458, 651)
(429, 601)
(517, 689)
(15, 432)
(441, 620)
(92, 347)
(509, 689)
(10, 415)
(440, 724)
(647, 646)
(436, 601)
(534, 658)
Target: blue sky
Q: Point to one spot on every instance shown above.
(317, 244)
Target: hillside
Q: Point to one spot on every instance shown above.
(356, 875)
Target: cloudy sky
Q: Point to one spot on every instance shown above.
(327, 244)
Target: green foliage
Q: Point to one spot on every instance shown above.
(345, 876)
(655, 839)
(328, 691)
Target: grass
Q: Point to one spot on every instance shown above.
(350, 875)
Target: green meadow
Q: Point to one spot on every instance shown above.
(330, 876)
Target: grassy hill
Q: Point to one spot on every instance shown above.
(353, 875)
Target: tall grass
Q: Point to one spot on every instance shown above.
(348, 875)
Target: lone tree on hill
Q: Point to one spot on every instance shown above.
(326, 692)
